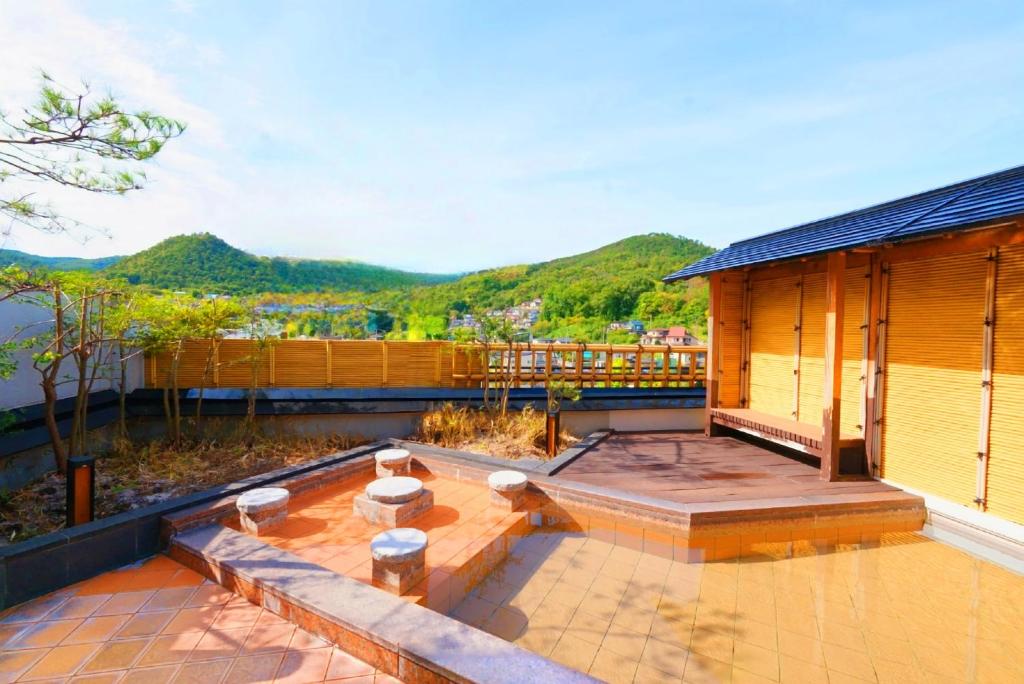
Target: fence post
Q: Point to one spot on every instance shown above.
(329, 380)
(384, 363)
(273, 364)
(437, 369)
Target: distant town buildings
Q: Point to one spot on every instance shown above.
(523, 316)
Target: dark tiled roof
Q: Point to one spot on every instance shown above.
(960, 205)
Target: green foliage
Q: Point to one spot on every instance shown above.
(559, 391)
(583, 293)
(206, 263)
(32, 262)
(76, 140)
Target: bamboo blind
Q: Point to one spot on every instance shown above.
(773, 305)
(1005, 494)
(731, 329)
(933, 371)
(359, 363)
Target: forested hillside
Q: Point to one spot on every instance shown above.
(206, 263)
(32, 262)
(581, 293)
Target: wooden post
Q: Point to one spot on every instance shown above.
(384, 363)
(579, 365)
(714, 347)
(745, 344)
(437, 370)
(835, 286)
(880, 349)
(798, 324)
(987, 359)
(273, 365)
(872, 369)
(329, 380)
(865, 342)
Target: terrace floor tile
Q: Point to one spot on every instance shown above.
(213, 635)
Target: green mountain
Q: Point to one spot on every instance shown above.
(206, 263)
(31, 262)
(581, 293)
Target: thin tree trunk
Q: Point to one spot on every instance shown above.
(50, 418)
(81, 365)
(167, 409)
(211, 356)
(122, 392)
(175, 397)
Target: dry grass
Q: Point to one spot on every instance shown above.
(514, 435)
(135, 475)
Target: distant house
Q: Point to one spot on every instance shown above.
(635, 327)
(677, 335)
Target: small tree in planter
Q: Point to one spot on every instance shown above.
(558, 391)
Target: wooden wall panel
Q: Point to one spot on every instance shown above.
(357, 363)
(236, 364)
(191, 365)
(812, 349)
(854, 351)
(731, 330)
(811, 377)
(1005, 495)
(300, 364)
(773, 313)
(933, 375)
(413, 364)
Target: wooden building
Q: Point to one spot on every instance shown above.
(888, 340)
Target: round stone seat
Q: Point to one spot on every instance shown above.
(394, 490)
(262, 500)
(392, 462)
(260, 510)
(398, 545)
(392, 456)
(507, 481)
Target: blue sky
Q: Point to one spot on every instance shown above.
(445, 136)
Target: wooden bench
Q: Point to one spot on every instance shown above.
(803, 437)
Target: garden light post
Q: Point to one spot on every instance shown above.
(553, 428)
(81, 490)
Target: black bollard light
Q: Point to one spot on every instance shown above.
(81, 489)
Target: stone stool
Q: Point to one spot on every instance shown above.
(398, 559)
(508, 489)
(393, 462)
(262, 509)
(392, 501)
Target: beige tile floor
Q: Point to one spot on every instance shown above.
(906, 609)
(161, 622)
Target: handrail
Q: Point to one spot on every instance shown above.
(584, 363)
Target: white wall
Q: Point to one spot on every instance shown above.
(23, 389)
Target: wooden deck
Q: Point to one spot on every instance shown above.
(689, 468)
(803, 436)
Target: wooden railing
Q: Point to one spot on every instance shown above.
(357, 363)
(585, 365)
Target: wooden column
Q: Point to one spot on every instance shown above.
(873, 368)
(745, 344)
(835, 286)
(712, 364)
(798, 325)
(987, 360)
